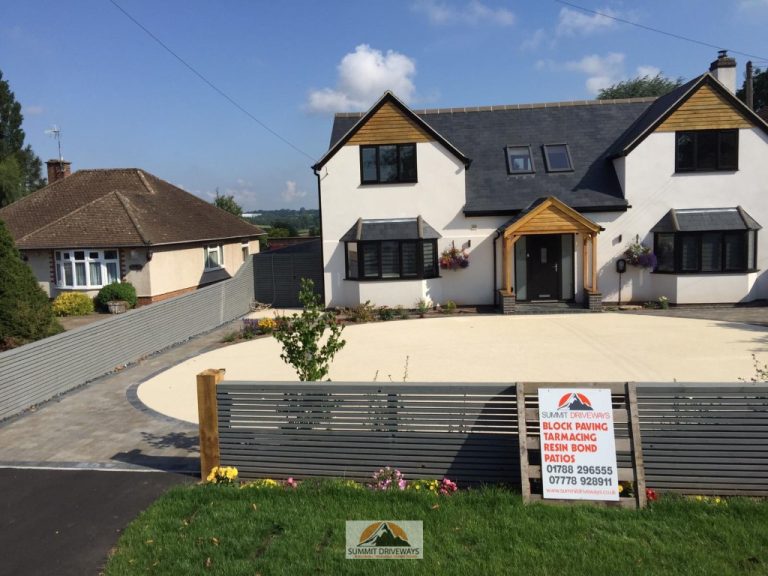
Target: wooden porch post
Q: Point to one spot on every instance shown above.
(208, 418)
(593, 239)
(509, 244)
(585, 262)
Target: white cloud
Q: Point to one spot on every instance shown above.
(291, 192)
(363, 76)
(32, 110)
(473, 12)
(601, 71)
(650, 71)
(576, 23)
(535, 40)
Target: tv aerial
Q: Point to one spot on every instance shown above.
(55, 132)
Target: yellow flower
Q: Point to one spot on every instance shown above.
(621, 488)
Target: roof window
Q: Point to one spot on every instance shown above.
(519, 160)
(557, 157)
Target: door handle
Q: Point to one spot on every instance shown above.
(555, 266)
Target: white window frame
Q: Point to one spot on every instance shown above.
(219, 250)
(100, 260)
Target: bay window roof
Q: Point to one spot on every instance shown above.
(706, 219)
(390, 229)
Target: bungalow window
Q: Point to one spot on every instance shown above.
(214, 256)
(557, 158)
(391, 259)
(706, 252)
(86, 268)
(519, 160)
(706, 150)
(388, 163)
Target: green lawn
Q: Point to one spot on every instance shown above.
(227, 531)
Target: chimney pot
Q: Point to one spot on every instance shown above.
(724, 69)
(58, 170)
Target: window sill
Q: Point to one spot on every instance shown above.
(723, 171)
(699, 273)
(411, 279)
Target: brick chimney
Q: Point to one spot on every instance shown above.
(57, 170)
(724, 69)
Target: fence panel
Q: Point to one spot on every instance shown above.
(41, 370)
(463, 431)
(705, 438)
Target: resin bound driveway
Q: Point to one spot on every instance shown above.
(494, 348)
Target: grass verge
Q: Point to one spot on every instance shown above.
(232, 532)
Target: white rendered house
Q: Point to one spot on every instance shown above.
(542, 201)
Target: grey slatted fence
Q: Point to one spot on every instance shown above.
(705, 438)
(696, 438)
(464, 431)
(41, 370)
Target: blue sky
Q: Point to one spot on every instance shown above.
(122, 101)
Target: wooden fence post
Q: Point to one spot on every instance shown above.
(207, 412)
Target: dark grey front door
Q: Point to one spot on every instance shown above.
(543, 257)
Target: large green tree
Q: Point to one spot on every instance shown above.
(759, 89)
(20, 168)
(25, 312)
(227, 203)
(640, 87)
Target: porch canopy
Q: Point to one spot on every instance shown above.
(551, 216)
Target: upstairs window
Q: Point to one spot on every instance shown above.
(706, 150)
(558, 158)
(388, 163)
(519, 160)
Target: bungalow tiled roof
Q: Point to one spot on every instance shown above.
(117, 207)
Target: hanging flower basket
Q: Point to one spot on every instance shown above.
(639, 255)
(453, 259)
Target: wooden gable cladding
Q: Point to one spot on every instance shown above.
(389, 125)
(705, 109)
(552, 217)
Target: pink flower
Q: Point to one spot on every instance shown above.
(291, 483)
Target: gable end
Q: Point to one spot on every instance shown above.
(705, 109)
(388, 125)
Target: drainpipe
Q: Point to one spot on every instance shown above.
(493, 272)
(322, 247)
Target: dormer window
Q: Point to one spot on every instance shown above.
(388, 163)
(519, 160)
(557, 158)
(706, 150)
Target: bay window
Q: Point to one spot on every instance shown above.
(391, 259)
(87, 268)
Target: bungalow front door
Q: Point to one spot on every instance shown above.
(543, 266)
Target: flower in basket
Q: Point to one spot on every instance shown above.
(639, 255)
(453, 258)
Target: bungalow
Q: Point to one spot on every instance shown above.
(93, 227)
(542, 202)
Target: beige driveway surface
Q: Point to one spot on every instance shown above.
(565, 347)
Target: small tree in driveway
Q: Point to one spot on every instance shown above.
(301, 335)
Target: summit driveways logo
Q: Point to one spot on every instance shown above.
(384, 539)
(574, 401)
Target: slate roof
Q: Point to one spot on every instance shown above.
(705, 220)
(114, 208)
(391, 229)
(590, 128)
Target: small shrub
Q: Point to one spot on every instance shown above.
(423, 306)
(386, 313)
(450, 307)
(116, 291)
(230, 337)
(72, 304)
(361, 313)
(402, 313)
(663, 302)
